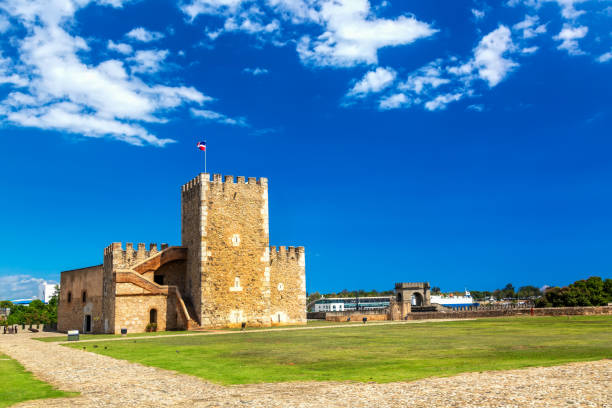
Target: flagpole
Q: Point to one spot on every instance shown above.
(205, 156)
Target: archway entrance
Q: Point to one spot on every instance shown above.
(417, 299)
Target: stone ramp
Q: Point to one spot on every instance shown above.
(107, 382)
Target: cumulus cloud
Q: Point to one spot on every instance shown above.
(121, 48)
(489, 57)
(478, 14)
(13, 287)
(425, 78)
(349, 31)
(373, 81)
(65, 93)
(440, 101)
(256, 71)
(569, 37)
(530, 27)
(568, 7)
(393, 101)
(605, 57)
(143, 35)
(444, 81)
(148, 61)
(353, 34)
(218, 117)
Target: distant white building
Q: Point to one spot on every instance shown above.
(46, 291)
(329, 307)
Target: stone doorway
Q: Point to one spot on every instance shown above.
(87, 325)
(153, 316)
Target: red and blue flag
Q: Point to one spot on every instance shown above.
(202, 146)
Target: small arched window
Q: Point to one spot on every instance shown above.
(69, 297)
(399, 297)
(236, 282)
(84, 296)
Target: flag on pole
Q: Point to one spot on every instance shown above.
(202, 146)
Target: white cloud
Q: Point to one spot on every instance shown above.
(393, 101)
(64, 93)
(5, 24)
(373, 81)
(197, 7)
(256, 71)
(476, 107)
(568, 9)
(440, 101)
(143, 35)
(148, 61)
(569, 37)
(121, 48)
(529, 50)
(605, 57)
(427, 77)
(530, 27)
(219, 117)
(478, 14)
(489, 56)
(14, 287)
(353, 35)
(350, 31)
(441, 82)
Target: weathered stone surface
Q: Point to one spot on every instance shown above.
(223, 275)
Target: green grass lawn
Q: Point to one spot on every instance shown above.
(373, 353)
(18, 385)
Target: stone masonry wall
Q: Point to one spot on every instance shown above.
(132, 312)
(71, 315)
(287, 285)
(193, 236)
(235, 285)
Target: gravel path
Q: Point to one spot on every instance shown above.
(107, 382)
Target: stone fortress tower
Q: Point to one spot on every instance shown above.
(224, 274)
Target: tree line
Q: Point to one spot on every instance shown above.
(37, 312)
(593, 291)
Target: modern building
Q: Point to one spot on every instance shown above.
(46, 291)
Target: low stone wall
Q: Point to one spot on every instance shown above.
(471, 314)
(356, 316)
(548, 311)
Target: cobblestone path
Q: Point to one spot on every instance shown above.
(107, 382)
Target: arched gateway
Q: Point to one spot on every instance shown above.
(408, 294)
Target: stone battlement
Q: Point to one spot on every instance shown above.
(218, 178)
(286, 253)
(129, 255)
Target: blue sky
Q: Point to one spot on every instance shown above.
(464, 143)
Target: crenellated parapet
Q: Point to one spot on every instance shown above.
(221, 179)
(287, 254)
(118, 257)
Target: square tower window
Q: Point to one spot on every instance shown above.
(235, 239)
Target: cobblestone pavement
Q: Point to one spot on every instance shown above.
(107, 382)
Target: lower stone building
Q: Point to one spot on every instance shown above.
(223, 274)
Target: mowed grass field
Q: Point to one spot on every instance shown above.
(381, 353)
(18, 385)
